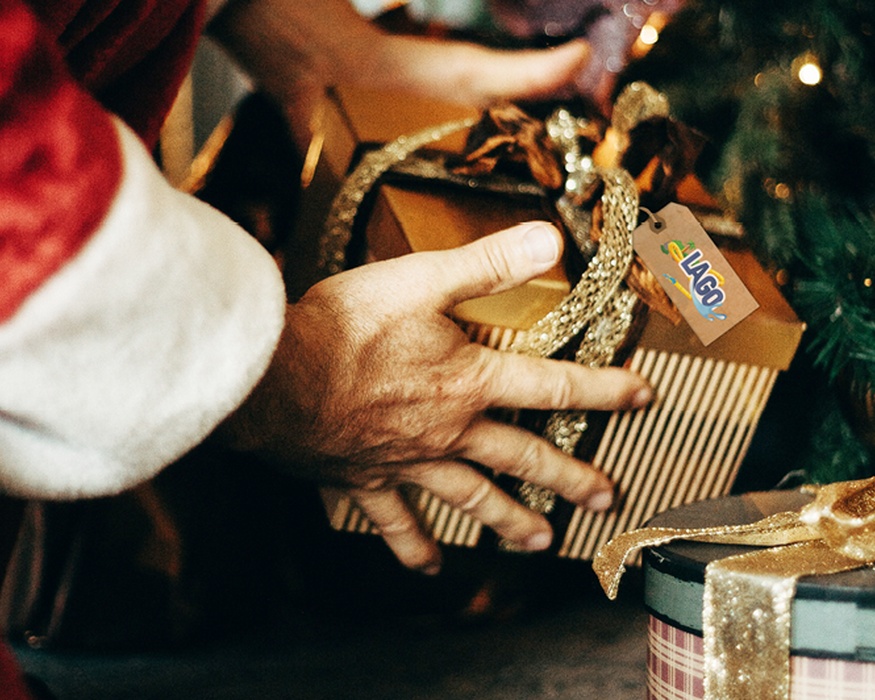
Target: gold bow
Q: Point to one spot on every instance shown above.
(746, 606)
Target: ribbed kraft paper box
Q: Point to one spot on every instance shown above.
(686, 447)
(832, 627)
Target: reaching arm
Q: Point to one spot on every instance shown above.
(293, 48)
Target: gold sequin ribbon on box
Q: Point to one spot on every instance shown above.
(746, 606)
(599, 311)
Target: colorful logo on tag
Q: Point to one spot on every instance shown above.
(704, 284)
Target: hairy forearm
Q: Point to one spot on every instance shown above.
(280, 419)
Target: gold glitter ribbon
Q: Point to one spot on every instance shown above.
(598, 313)
(746, 606)
(599, 308)
(597, 293)
(337, 233)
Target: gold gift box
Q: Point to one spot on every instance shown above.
(686, 447)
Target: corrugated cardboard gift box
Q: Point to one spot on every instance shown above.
(686, 447)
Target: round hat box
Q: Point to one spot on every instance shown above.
(832, 617)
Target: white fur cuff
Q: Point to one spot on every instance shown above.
(138, 347)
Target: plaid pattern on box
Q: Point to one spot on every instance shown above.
(675, 670)
(674, 663)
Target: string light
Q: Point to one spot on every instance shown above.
(808, 70)
(775, 189)
(810, 74)
(649, 35)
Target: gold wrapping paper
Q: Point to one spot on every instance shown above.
(746, 606)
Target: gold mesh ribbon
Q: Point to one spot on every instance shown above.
(374, 164)
(599, 308)
(600, 305)
(746, 606)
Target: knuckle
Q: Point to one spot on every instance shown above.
(531, 456)
(496, 264)
(398, 526)
(375, 483)
(561, 391)
(368, 480)
(475, 496)
(465, 384)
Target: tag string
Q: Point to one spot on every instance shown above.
(654, 221)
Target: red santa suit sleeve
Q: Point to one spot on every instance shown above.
(12, 681)
(133, 318)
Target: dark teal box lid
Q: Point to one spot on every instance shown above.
(832, 616)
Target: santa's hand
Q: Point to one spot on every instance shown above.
(373, 386)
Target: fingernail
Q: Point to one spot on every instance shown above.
(541, 244)
(538, 541)
(431, 569)
(600, 501)
(642, 397)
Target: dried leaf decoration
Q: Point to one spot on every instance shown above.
(661, 153)
(507, 135)
(657, 150)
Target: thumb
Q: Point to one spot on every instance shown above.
(495, 263)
